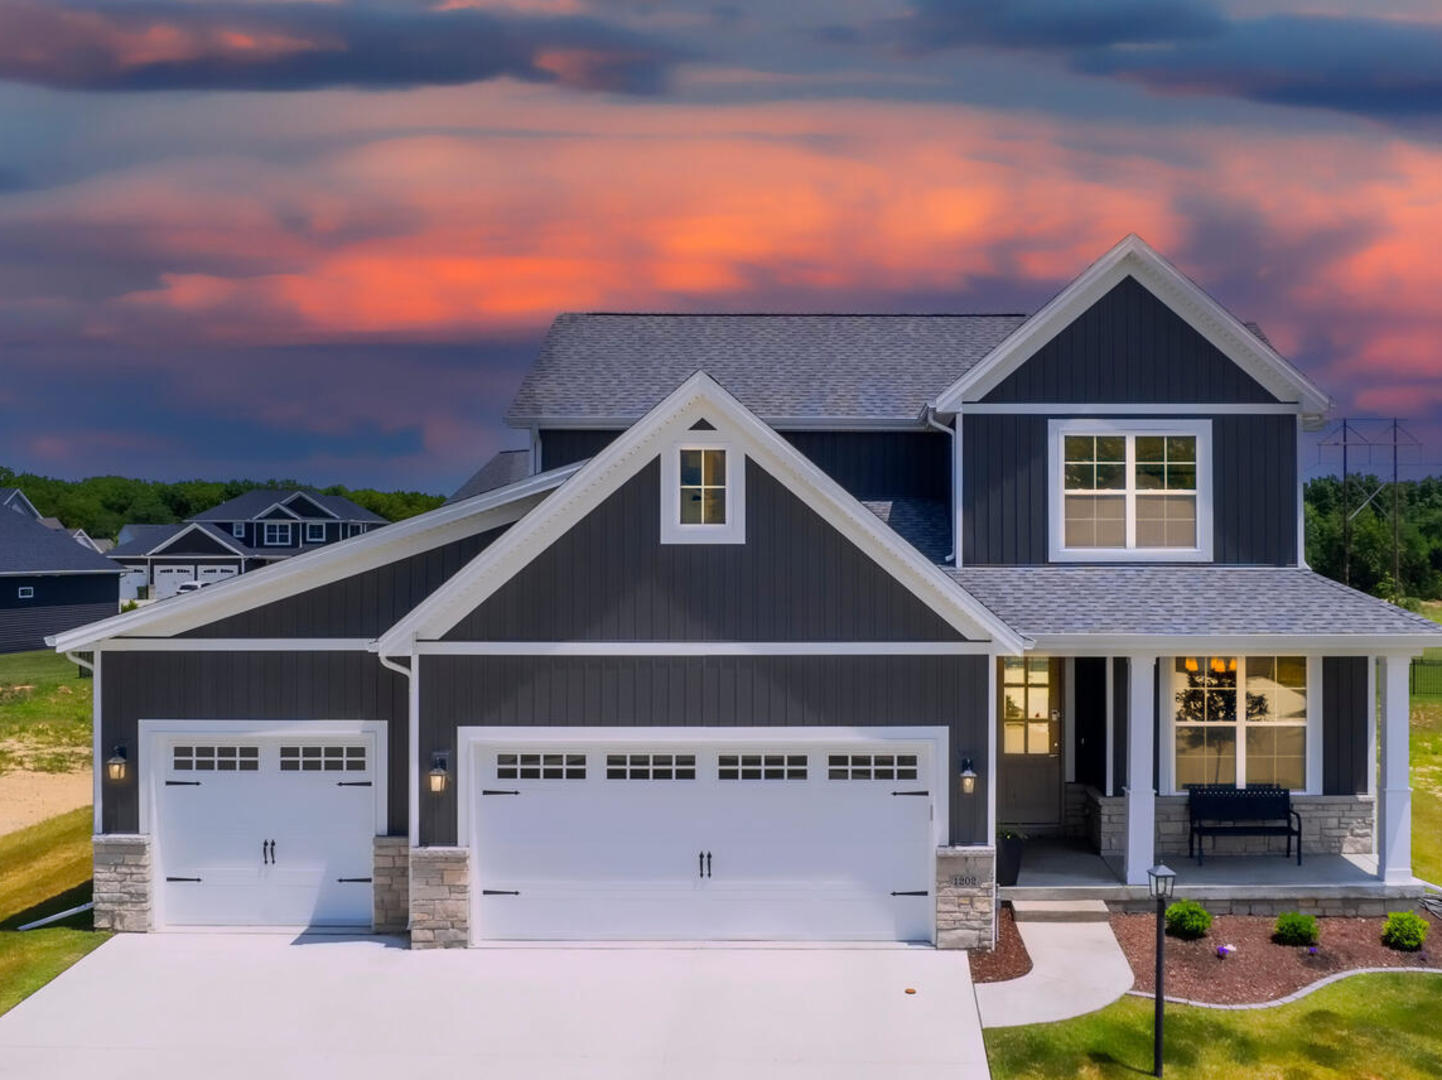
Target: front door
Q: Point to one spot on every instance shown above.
(1029, 773)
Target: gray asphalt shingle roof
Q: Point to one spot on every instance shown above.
(26, 546)
(250, 503)
(506, 467)
(140, 539)
(874, 367)
(923, 523)
(1181, 601)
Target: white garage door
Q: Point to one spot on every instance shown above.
(265, 831)
(677, 841)
(168, 579)
(215, 573)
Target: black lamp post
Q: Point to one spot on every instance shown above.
(1160, 881)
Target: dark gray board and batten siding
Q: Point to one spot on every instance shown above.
(708, 691)
(609, 578)
(60, 602)
(868, 464)
(1006, 511)
(1346, 717)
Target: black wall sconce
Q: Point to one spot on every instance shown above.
(968, 776)
(115, 764)
(439, 775)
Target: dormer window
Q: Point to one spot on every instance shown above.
(1130, 490)
(702, 491)
(277, 534)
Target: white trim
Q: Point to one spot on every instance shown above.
(1374, 720)
(158, 551)
(1133, 257)
(1069, 718)
(173, 644)
(958, 492)
(237, 530)
(733, 529)
(993, 724)
(97, 757)
(306, 536)
(698, 397)
(1111, 716)
(1315, 746)
(149, 731)
(413, 741)
(1394, 803)
(57, 573)
(1057, 430)
(1141, 788)
(779, 423)
(325, 564)
(1062, 408)
(17, 492)
(25, 592)
(701, 648)
(276, 506)
(1291, 644)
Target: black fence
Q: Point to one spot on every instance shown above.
(1427, 677)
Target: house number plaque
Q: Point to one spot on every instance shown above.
(965, 881)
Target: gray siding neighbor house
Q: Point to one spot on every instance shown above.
(773, 630)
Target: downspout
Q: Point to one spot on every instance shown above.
(929, 417)
(412, 791)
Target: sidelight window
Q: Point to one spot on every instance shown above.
(1027, 726)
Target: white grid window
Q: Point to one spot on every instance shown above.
(213, 758)
(561, 766)
(322, 759)
(761, 767)
(871, 767)
(650, 766)
(26, 592)
(315, 532)
(1240, 720)
(277, 534)
(237, 529)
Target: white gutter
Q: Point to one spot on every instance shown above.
(928, 415)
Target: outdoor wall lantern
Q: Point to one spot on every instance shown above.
(1161, 879)
(115, 764)
(438, 775)
(968, 777)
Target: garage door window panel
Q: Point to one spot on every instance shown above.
(541, 766)
(871, 767)
(650, 766)
(213, 758)
(299, 758)
(761, 767)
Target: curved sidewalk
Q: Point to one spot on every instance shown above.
(1077, 967)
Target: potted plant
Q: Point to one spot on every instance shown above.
(1008, 855)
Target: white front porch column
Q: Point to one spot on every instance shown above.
(1140, 784)
(1394, 804)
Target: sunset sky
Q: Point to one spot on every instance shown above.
(322, 239)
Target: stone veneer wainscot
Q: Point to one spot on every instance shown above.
(440, 898)
(122, 882)
(390, 885)
(965, 898)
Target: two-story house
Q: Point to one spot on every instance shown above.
(251, 530)
(789, 617)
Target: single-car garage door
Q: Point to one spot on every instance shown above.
(829, 841)
(265, 831)
(169, 578)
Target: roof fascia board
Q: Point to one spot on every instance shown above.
(194, 526)
(1134, 257)
(302, 495)
(1065, 409)
(698, 396)
(782, 423)
(1174, 644)
(324, 565)
(57, 573)
(275, 506)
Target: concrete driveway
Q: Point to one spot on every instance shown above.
(226, 1006)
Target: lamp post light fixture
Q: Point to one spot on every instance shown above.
(968, 777)
(1161, 880)
(437, 778)
(115, 764)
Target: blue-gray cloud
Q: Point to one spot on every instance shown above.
(1384, 68)
(301, 46)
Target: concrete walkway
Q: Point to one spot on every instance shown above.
(242, 1006)
(1077, 967)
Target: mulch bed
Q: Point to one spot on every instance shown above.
(1261, 970)
(1009, 960)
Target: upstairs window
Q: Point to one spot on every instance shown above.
(1130, 490)
(237, 529)
(315, 532)
(277, 534)
(703, 491)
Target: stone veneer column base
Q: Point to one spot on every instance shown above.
(965, 897)
(122, 882)
(440, 898)
(390, 884)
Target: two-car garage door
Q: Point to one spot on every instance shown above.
(586, 840)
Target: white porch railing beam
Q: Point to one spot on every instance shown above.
(1141, 787)
(1394, 819)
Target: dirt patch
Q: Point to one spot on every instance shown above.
(29, 797)
(1261, 970)
(1009, 960)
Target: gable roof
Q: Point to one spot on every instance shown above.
(610, 369)
(27, 547)
(1135, 258)
(253, 503)
(142, 539)
(505, 467)
(317, 566)
(199, 529)
(699, 397)
(15, 499)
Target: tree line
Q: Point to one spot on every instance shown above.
(102, 504)
(1419, 530)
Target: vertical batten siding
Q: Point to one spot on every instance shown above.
(363, 605)
(246, 686)
(1129, 347)
(1004, 504)
(707, 691)
(1121, 698)
(1090, 696)
(609, 578)
(1345, 719)
(1254, 490)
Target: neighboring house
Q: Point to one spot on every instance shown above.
(506, 467)
(48, 583)
(12, 498)
(249, 531)
(794, 613)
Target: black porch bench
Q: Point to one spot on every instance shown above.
(1224, 810)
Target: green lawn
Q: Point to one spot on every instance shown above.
(44, 713)
(43, 869)
(1427, 789)
(1368, 1026)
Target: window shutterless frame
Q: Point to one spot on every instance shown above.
(315, 532)
(733, 529)
(1058, 430)
(274, 536)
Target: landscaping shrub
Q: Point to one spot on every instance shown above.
(1405, 930)
(1188, 920)
(1294, 928)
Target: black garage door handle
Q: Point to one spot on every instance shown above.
(182, 879)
